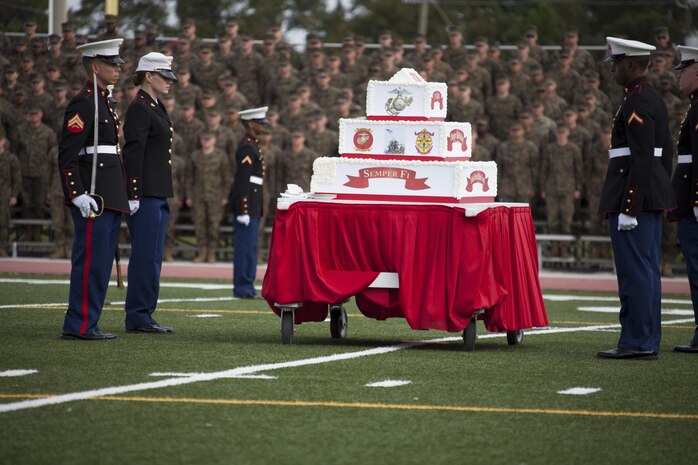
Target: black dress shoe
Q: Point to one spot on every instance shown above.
(691, 348)
(93, 336)
(628, 354)
(151, 328)
(250, 297)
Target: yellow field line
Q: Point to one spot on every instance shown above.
(364, 405)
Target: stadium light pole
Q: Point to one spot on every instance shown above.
(58, 13)
(423, 17)
(111, 7)
(423, 13)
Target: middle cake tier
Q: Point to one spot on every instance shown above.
(407, 140)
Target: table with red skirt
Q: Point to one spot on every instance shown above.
(455, 263)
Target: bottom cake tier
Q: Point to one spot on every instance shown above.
(405, 180)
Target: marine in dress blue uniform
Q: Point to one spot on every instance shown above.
(148, 163)
(95, 238)
(685, 182)
(636, 192)
(247, 203)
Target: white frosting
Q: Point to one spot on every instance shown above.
(325, 173)
(407, 79)
(407, 76)
(477, 165)
(400, 96)
(323, 170)
(383, 132)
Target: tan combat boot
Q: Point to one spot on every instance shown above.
(667, 270)
(203, 253)
(211, 257)
(167, 255)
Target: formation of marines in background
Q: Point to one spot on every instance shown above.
(543, 116)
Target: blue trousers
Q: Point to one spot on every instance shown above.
(636, 254)
(148, 228)
(245, 257)
(94, 246)
(688, 238)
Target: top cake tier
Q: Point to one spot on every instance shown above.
(406, 96)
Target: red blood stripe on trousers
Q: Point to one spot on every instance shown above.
(86, 275)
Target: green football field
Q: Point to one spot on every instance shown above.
(224, 390)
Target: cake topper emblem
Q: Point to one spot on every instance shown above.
(424, 142)
(402, 100)
(363, 139)
(477, 177)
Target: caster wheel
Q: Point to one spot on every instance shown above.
(286, 326)
(515, 338)
(470, 335)
(338, 322)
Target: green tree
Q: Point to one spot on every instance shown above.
(14, 15)
(133, 14)
(506, 20)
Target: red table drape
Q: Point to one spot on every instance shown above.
(449, 265)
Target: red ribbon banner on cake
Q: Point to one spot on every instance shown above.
(412, 182)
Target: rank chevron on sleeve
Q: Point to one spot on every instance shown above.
(76, 124)
(635, 117)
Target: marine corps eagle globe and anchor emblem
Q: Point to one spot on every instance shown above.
(402, 100)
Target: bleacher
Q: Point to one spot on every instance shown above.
(184, 248)
(580, 259)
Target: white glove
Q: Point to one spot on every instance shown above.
(626, 223)
(133, 205)
(695, 212)
(243, 219)
(85, 203)
(294, 189)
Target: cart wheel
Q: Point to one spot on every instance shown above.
(338, 322)
(515, 338)
(469, 335)
(286, 326)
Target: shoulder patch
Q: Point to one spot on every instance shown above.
(75, 124)
(634, 117)
(247, 159)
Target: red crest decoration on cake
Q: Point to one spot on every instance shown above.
(477, 177)
(424, 142)
(363, 140)
(436, 97)
(412, 182)
(457, 136)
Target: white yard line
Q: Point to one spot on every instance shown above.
(389, 383)
(13, 373)
(579, 391)
(121, 302)
(585, 298)
(665, 311)
(159, 374)
(210, 287)
(201, 286)
(255, 369)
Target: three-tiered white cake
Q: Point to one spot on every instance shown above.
(405, 151)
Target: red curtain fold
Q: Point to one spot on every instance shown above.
(448, 265)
